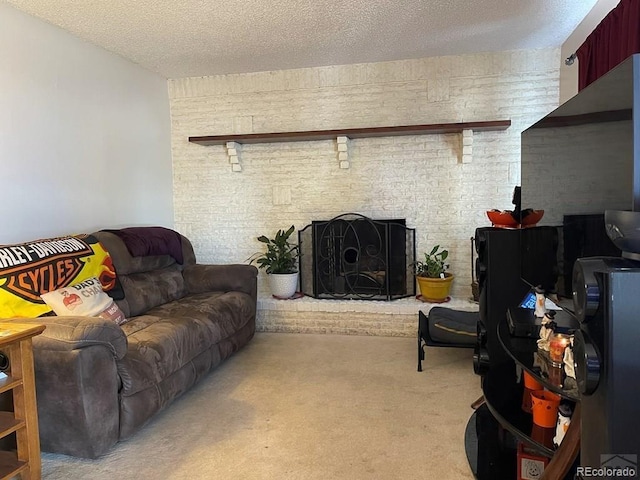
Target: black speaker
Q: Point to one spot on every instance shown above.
(500, 265)
(607, 303)
(584, 236)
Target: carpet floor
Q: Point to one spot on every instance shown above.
(301, 406)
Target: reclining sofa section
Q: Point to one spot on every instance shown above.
(98, 382)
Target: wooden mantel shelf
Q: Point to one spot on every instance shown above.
(352, 133)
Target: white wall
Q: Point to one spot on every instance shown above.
(419, 178)
(84, 135)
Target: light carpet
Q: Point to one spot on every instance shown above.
(301, 406)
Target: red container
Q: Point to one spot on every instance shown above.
(544, 406)
(531, 383)
(534, 217)
(502, 218)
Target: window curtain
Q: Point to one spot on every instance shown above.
(612, 41)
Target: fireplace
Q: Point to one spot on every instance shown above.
(355, 257)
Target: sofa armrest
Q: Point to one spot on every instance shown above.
(65, 333)
(221, 278)
(77, 383)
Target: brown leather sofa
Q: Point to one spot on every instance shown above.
(98, 382)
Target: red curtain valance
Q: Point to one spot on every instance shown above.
(612, 41)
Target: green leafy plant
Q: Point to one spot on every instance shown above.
(281, 255)
(434, 264)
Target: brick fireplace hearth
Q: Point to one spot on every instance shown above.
(348, 317)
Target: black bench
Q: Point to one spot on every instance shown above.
(445, 327)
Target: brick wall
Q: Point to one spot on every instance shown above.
(420, 178)
(581, 169)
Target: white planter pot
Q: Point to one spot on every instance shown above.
(283, 285)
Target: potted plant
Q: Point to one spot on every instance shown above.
(280, 261)
(432, 276)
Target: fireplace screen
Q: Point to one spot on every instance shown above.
(355, 257)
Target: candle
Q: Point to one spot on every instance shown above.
(557, 344)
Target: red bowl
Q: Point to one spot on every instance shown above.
(534, 217)
(502, 218)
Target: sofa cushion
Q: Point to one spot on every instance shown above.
(171, 335)
(447, 325)
(126, 264)
(147, 241)
(150, 289)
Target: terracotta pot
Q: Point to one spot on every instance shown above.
(435, 290)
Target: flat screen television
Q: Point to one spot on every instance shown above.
(578, 161)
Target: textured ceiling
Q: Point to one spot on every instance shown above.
(182, 38)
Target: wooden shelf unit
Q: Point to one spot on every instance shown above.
(16, 344)
(342, 137)
(430, 128)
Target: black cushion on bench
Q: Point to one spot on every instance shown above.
(453, 326)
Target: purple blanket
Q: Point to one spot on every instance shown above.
(141, 241)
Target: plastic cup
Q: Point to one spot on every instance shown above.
(531, 383)
(544, 406)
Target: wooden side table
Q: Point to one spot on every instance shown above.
(15, 343)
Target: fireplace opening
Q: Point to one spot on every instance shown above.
(355, 257)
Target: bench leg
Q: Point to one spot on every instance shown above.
(420, 351)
